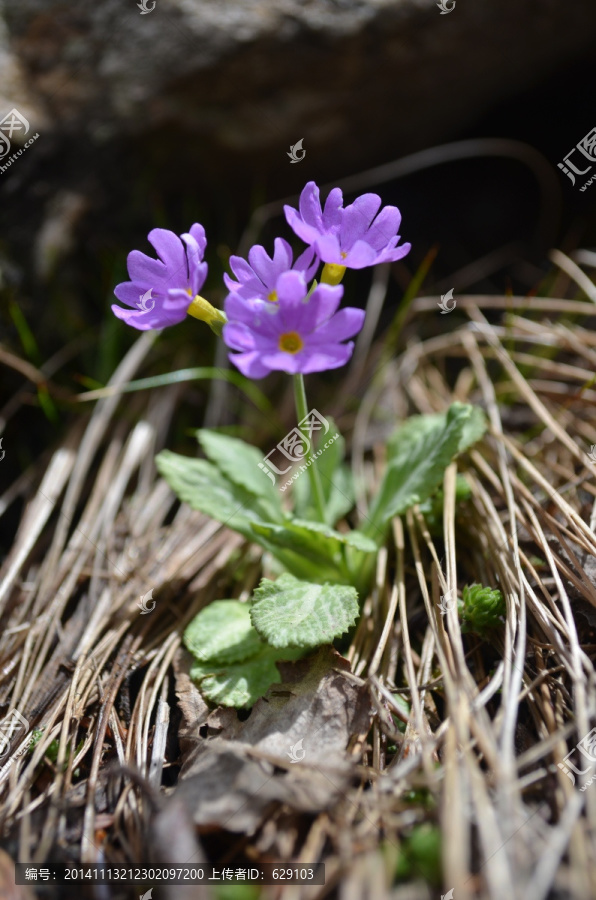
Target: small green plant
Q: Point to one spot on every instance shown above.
(419, 855)
(481, 609)
(275, 321)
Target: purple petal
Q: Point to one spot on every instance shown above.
(176, 300)
(197, 269)
(250, 364)
(360, 255)
(199, 277)
(304, 316)
(310, 206)
(145, 271)
(131, 317)
(237, 308)
(384, 227)
(198, 233)
(356, 219)
(308, 263)
(241, 269)
(329, 249)
(130, 293)
(282, 256)
(281, 361)
(230, 283)
(146, 321)
(261, 316)
(319, 359)
(170, 250)
(291, 287)
(307, 233)
(333, 209)
(238, 336)
(394, 255)
(323, 302)
(344, 324)
(263, 266)
(366, 206)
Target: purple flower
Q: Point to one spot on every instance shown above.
(161, 290)
(350, 237)
(258, 279)
(296, 334)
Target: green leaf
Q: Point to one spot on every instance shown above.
(315, 539)
(239, 462)
(342, 497)
(241, 684)
(317, 543)
(293, 613)
(222, 633)
(418, 454)
(353, 537)
(424, 852)
(200, 484)
(336, 481)
(208, 373)
(475, 425)
(432, 509)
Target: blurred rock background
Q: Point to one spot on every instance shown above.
(235, 81)
(197, 102)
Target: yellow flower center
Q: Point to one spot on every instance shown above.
(290, 342)
(272, 296)
(343, 255)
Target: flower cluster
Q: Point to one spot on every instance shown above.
(272, 320)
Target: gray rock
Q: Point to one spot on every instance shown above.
(359, 80)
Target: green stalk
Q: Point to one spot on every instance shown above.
(313, 474)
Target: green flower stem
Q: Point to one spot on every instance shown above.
(313, 474)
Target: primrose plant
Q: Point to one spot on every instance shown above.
(277, 318)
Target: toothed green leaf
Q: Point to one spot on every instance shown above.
(293, 613)
(223, 633)
(239, 463)
(418, 454)
(241, 684)
(336, 480)
(316, 542)
(200, 484)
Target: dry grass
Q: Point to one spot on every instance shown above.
(488, 721)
